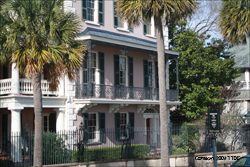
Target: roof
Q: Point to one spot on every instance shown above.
(117, 36)
(241, 54)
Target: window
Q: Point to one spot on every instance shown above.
(92, 10)
(148, 28)
(92, 124)
(120, 70)
(147, 64)
(86, 68)
(49, 122)
(120, 24)
(123, 124)
(121, 121)
(94, 127)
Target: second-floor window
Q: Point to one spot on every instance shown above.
(118, 23)
(148, 27)
(148, 73)
(97, 68)
(92, 10)
(120, 70)
(86, 68)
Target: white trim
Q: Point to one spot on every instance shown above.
(133, 45)
(92, 23)
(122, 29)
(150, 36)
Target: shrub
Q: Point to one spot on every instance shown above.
(221, 146)
(111, 153)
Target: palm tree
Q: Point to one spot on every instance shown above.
(38, 35)
(137, 11)
(234, 19)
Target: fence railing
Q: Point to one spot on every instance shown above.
(26, 87)
(5, 86)
(106, 144)
(122, 92)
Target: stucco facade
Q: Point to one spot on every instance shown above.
(118, 79)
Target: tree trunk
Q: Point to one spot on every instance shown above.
(38, 139)
(162, 92)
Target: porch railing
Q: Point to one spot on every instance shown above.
(5, 86)
(122, 92)
(25, 87)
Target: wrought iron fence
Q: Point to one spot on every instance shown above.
(122, 92)
(111, 144)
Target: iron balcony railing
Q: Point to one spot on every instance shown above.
(122, 92)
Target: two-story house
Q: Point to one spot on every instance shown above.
(117, 85)
(239, 98)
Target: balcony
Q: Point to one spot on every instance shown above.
(121, 92)
(25, 87)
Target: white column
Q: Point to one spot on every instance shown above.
(152, 26)
(60, 119)
(61, 86)
(247, 77)
(96, 11)
(16, 151)
(14, 79)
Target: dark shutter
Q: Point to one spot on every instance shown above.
(156, 75)
(101, 67)
(130, 71)
(145, 68)
(117, 126)
(132, 123)
(115, 16)
(52, 122)
(116, 70)
(100, 12)
(84, 9)
(86, 126)
(102, 127)
(85, 76)
(145, 29)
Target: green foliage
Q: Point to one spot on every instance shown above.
(183, 142)
(203, 71)
(234, 19)
(221, 146)
(54, 148)
(110, 153)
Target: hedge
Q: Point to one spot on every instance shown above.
(111, 153)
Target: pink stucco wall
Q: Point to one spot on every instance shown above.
(110, 117)
(109, 64)
(108, 21)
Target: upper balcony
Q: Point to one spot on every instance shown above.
(122, 92)
(25, 87)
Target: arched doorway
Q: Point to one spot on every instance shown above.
(152, 128)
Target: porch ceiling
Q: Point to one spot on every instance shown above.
(120, 39)
(27, 101)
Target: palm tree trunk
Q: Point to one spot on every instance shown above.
(162, 92)
(38, 139)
